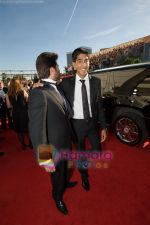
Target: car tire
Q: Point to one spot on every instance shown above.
(129, 127)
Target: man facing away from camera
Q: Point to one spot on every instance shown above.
(84, 95)
(49, 123)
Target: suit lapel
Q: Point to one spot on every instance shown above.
(72, 89)
(54, 96)
(68, 109)
(92, 89)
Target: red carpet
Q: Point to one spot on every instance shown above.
(120, 194)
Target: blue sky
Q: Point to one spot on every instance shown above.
(29, 27)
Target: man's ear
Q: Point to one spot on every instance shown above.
(51, 71)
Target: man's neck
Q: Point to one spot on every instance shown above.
(82, 77)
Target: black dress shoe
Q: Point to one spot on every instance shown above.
(85, 184)
(71, 184)
(61, 207)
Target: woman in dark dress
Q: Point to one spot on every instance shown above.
(17, 98)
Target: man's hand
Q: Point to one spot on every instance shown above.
(103, 135)
(49, 168)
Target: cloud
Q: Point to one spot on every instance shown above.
(69, 21)
(103, 33)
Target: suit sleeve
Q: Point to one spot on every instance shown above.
(101, 113)
(37, 110)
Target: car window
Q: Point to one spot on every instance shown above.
(111, 81)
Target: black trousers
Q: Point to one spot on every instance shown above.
(86, 129)
(59, 180)
(61, 176)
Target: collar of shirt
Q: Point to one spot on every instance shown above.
(49, 80)
(78, 78)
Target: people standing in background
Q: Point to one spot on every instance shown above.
(17, 99)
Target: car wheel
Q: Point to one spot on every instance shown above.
(130, 128)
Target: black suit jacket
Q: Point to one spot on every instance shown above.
(48, 121)
(68, 87)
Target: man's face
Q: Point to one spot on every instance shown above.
(81, 65)
(55, 73)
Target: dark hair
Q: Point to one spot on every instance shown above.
(77, 52)
(44, 62)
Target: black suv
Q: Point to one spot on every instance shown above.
(126, 94)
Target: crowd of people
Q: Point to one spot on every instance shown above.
(117, 55)
(13, 107)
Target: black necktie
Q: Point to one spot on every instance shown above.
(86, 110)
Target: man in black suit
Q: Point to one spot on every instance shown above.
(84, 95)
(49, 123)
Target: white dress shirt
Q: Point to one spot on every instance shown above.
(51, 81)
(77, 105)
